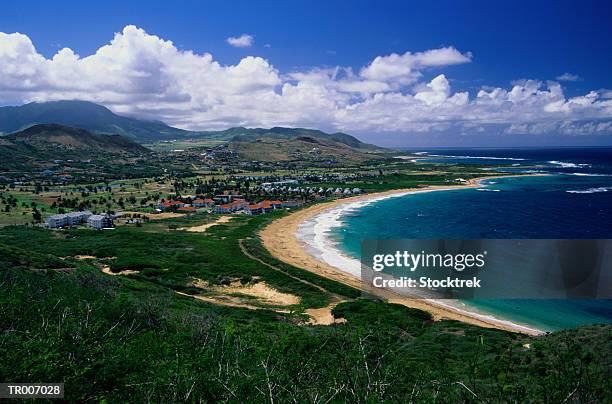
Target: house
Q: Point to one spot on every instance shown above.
(276, 204)
(254, 209)
(169, 205)
(238, 204)
(99, 222)
(292, 203)
(164, 206)
(266, 206)
(225, 208)
(187, 209)
(203, 203)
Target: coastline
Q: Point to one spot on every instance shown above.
(280, 238)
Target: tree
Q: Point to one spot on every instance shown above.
(36, 216)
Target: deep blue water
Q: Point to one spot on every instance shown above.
(574, 202)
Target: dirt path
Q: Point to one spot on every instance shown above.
(320, 316)
(202, 228)
(254, 258)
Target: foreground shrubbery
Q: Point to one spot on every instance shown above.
(106, 341)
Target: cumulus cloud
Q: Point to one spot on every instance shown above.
(568, 77)
(242, 41)
(406, 68)
(143, 75)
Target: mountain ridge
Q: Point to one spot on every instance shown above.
(99, 119)
(84, 115)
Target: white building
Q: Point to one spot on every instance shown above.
(100, 221)
(67, 219)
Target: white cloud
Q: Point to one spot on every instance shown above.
(146, 76)
(242, 41)
(568, 77)
(406, 68)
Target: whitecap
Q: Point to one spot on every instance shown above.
(590, 190)
(478, 157)
(564, 164)
(588, 174)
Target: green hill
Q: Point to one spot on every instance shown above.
(281, 133)
(85, 115)
(41, 143)
(314, 147)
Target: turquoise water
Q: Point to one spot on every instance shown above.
(573, 202)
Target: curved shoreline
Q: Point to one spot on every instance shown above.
(280, 238)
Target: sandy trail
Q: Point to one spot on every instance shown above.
(156, 216)
(202, 228)
(237, 295)
(107, 270)
(262, 291)
(323, 315)
(280, 239)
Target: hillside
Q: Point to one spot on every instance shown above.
(298, 144)
(48, 142)
(85, 115)
(281, 133)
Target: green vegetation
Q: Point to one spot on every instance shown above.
(133, 338)
(39, 144)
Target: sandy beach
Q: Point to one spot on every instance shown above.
(280, 239)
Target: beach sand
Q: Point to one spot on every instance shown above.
(280, 239)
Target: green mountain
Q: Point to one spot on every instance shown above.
(300, 145)
(41, 143)
(85, 115)
(99, 119)
(281, 133)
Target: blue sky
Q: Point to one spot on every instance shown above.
(505, 42)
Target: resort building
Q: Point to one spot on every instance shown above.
(169, 205)
(266, 206)
(224, 208)
(67, 219)
(203, 203)
(292, 203)
(254, 209)
(99, 222)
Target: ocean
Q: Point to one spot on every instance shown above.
(574, 201)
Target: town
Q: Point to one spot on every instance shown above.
(226, 203)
